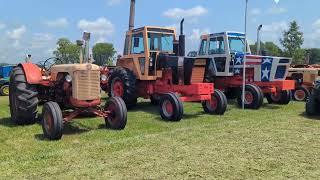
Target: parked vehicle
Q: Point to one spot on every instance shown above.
(304, 77)
(154, 67)
(265, 75)
(67, 90)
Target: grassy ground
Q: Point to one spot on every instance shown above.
(274, 142)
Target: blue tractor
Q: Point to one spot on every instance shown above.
(4, 79)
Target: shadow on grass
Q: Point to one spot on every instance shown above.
(304, 114)
(7, 122)
(68, 129)
(147, 107)
(271, 106)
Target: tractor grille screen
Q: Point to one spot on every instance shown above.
(281, 72)
(86, 85)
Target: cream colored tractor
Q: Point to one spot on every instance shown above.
(67, 90)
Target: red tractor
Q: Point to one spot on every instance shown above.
(67, 90)
(154, 67)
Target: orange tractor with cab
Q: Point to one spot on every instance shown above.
(154, 66)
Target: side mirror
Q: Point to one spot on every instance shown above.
(136, 42)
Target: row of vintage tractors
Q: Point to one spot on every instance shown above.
(153, 66)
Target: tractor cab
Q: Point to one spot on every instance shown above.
(142, 49)
(223, 47)
(227, 49)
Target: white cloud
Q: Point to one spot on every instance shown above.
(273, 31)
(2, 25)
(316, 24)
(196, 33)
(58, 23)
(181, 13)
(99, 28)
(41, 40)
(255, 12)
(113, 2)
(17, 33)
(276, 10)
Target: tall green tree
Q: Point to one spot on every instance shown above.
(103, 53)
(270, 49)
(292, 41)
(313, 55)
(67, 52)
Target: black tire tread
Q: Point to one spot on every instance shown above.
(27, 101)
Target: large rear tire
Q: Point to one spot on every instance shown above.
(253, 97)
(217, 105)
(23, 98)
(117, 118)
(52, 121)
(122, 83)
(171, 107)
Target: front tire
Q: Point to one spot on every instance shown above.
(52, 122)
(122, 83)
(117, 117)
(171, 107)
(217, 105)
(253, 97)
(23, 98)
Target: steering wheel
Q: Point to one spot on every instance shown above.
(48, 63)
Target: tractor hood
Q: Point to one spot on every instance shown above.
(266, 68)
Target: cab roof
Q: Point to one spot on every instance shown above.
(227, 33)
(155, 29)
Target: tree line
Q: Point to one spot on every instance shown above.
(68, 52)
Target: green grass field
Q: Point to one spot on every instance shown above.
(274, 142)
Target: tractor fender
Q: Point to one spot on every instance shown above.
(32, 72)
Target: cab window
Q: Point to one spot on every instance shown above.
(216, 46)
(137, 45)
(203, 47)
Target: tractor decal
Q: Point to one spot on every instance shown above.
(266, 68)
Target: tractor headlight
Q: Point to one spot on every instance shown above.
(68, 78)
(103, 77)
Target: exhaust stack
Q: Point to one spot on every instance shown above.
(132, 14)
(182, 40)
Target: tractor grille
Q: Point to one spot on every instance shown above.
(86, 85)
(197, 74)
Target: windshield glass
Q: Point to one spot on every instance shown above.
(160, 42)
(236, 44)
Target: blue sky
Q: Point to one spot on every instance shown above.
(33, 26)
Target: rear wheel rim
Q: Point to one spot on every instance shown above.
(48, 122)
(117, 88)
(5, 90)
(112, 116)
(213, 104)
(300, 95)
(248, 97)
(167, 108)
(276, 96)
